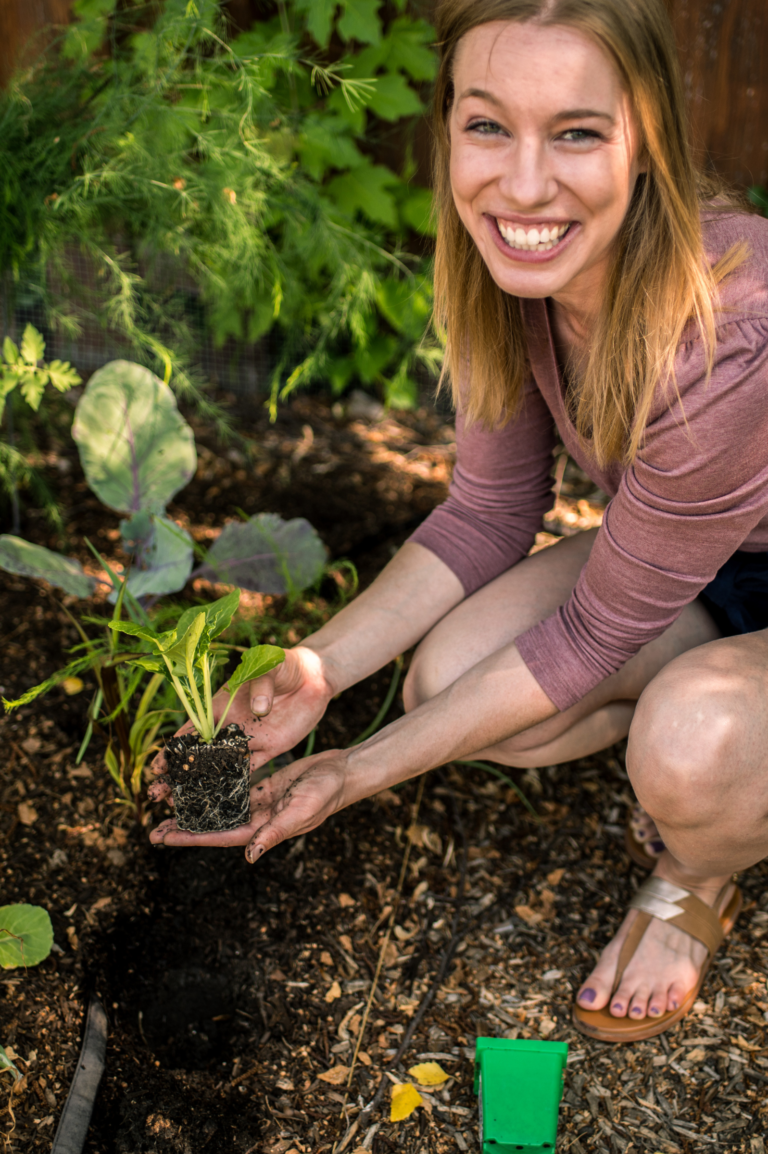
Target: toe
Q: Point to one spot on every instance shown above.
(638, 1005)
(657, 1003)
(675, 996)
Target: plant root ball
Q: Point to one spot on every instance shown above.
(210, 782)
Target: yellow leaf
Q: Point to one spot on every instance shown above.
(333, 993)
(336, 1076)
(405, 1099)
(429, 1074)
(72, 685)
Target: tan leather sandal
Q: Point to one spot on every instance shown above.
(661, 899)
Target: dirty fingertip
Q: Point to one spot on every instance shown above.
(254, 852)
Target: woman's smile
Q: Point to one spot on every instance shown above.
(544, 157)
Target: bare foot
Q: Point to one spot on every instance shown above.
(665, 965)
(644, 830)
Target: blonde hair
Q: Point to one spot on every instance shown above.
(659, 279)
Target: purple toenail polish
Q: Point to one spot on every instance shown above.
(635, 1010)
(617, 1006)
(674, 1005)
(654, 1010)
(587, 996)
(657, 846)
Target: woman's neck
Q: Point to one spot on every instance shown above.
(571, 332)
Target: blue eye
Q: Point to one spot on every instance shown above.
(578, 134)
(484, 127)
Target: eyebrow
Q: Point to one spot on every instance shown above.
(569, 114)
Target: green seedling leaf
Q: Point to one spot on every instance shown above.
(255, 663)
(32, 345)
(28, 560)
(26, 935)
(142, 631)
(33, 385)
(218, 614)
(136, 449)
(71, 670)
(10, 351)
(266, 555)
(6, 1065)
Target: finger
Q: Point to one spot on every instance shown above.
(262, 691)
(158, 790)
(270, 835)
(157, 835)
(228, 837)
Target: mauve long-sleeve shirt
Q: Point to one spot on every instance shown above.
(696, 492)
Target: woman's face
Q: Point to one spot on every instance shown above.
(544, 157)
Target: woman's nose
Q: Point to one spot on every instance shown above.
(527, 180)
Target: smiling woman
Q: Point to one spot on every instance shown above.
(593, 288)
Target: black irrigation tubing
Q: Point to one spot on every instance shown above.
(437, 981)
(76, 1115)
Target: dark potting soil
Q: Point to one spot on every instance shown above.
(210, 781)
(230, 988)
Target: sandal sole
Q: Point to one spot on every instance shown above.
(603, 1027)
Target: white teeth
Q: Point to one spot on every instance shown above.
(532, 239)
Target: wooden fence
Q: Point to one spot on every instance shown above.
(723, 47)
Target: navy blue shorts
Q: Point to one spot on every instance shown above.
(737, 598)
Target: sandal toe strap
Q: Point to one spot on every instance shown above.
(661, 899)
(670, 903)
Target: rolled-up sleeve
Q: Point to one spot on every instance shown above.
(500, 490)
(698, 487)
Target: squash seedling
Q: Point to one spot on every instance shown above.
(208, 770)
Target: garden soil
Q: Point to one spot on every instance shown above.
(236, 994)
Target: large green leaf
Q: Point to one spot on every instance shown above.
(28, 560)
(163, 559)
(360, 21)
(26, 935)
(319, 17)
(408, 45)
(266, 555)
(136, 449)
(255, 663)
(393, 98)
(32, 345)
(218, 614)
(365, 189)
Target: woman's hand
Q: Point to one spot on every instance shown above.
(276, 710)
(295, 800)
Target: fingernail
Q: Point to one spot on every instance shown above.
(587, 995)
(260, 705)
(255, 852)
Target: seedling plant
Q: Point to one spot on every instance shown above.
(208, 770)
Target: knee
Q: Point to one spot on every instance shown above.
(423, 680)
(689, 738)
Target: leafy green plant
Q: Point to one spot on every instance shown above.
(137, 452)
(24, 369)
(187, 657)
(26, 938)
(165, 150)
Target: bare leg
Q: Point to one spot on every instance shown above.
(697, 759)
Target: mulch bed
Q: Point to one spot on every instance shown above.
(230, 989)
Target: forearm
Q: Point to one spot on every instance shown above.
(409, 597)
(494, 700)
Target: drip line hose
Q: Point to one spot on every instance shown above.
(76, 1115)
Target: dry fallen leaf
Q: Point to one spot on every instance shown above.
(336, 1076)
(326, 958)
(697, 1055)
(346, 943)
(743, 1044)
(285, 1084)
(429, 1074)
(405, 1099)
(531, 917)
(345, 901)
(545, 1027)
(365, 1058)
(31, 744)
(555, 877)
(333, 993)
(27, 813)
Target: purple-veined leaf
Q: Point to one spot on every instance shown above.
(136, 449)
(162, 555)
(266, 555)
